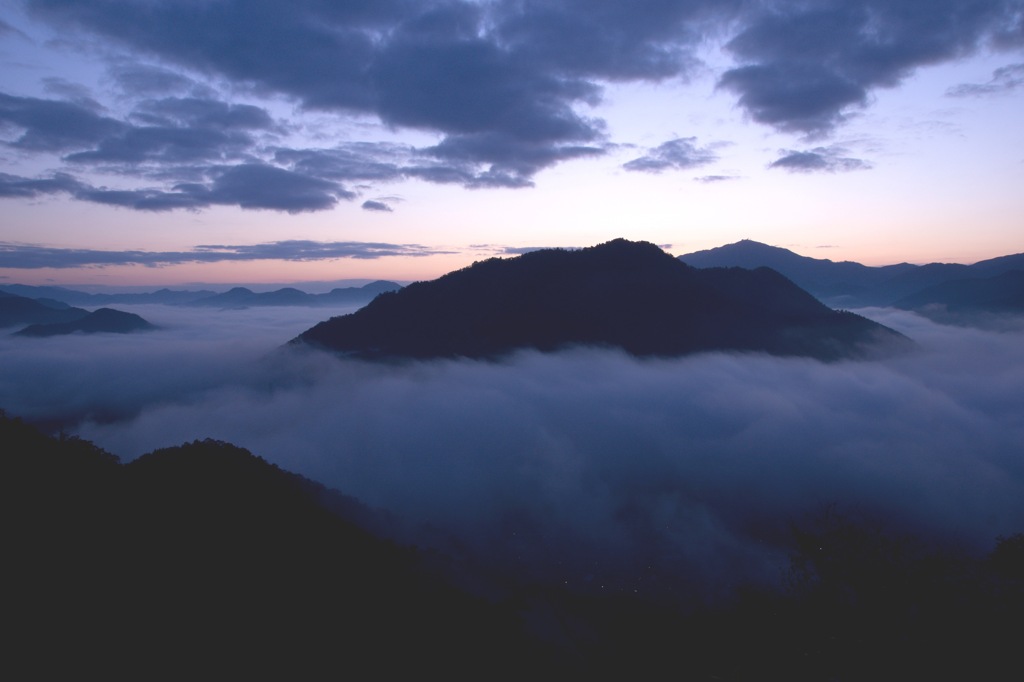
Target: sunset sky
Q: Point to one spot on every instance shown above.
(162, 142)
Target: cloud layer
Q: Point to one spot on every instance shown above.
(588, 467)
(506, 88)
(29, 256)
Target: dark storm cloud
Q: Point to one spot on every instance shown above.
(806, 66)
(578, 466)
(675, 154)
(818, 160)
(28, 256)
(374, 205)
(1004, 79)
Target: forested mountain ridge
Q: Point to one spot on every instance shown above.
(627, 295)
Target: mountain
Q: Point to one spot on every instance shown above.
(73, 297)
(627, 295)
(206, 557)
(19, 310)
(104, 320)
(977, 301)
(241, 297)
(238, 297)
(848, 283)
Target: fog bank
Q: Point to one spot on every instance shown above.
(587, 467)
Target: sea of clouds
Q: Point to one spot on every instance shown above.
(588, 467)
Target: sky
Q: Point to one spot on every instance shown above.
(164, 142)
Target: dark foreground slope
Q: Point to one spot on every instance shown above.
(206, 561)
(627, 295)
(206, 558)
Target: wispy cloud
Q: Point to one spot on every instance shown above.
(676, 154)
(1004, 79)
(818, 160)
(28, 256)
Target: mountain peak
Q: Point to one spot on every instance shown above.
(621, 294)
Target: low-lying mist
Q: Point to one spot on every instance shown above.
(588, 467)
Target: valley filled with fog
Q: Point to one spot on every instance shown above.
(588, 468)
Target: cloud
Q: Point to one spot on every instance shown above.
(6, 28)
(53, 125)
(1004, 79)
(805, 67)
(818, 160)
(146, 80)
(708, 179)
(504, 87)
(675, 154)
(28, 257)
(13, 186)
(586, 467)
(373, 205)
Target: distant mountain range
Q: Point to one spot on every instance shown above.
(986, 286)
(21, 310)
(46, 317)
(106, 320)
(235, 298)
(627, 295)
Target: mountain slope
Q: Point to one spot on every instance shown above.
(848, 283)
(206, 557)
(962, 298)
(104, 320)
(627, 295)
(19, 310)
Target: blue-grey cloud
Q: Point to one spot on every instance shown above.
(6, 28)
(1004, 79)
(709, 179)
(374, 205)
(146, 80)
(818, 160)
(805, 67)
(13, 186)
(504, 85)
(31, 257)
(55, 125)
(676, 154)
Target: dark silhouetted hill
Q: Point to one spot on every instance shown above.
(104, 320)
(852, 284)
(238, 297)
(20, 310)
(627, 295)
(241, 297)
(206, 560)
